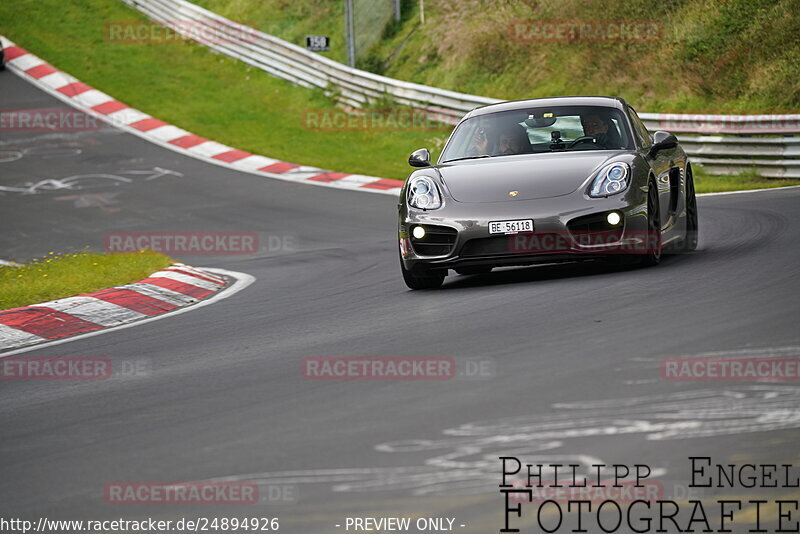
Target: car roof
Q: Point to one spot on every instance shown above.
(601, 101)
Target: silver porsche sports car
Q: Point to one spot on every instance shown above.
(545, 180)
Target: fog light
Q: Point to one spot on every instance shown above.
(613, 218)
(418, 232)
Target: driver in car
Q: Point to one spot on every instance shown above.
(602, 129)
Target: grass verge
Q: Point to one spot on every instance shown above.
(710, 183)
(58, 276)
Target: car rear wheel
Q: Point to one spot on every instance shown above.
(652, 255)
(422, 279)
(690, 241)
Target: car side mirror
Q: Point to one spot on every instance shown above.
(420, 158)
(662, 141)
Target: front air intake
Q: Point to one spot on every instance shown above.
(437, 241)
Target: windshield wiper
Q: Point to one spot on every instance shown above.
(469, 157)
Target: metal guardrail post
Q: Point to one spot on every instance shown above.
(350, 32)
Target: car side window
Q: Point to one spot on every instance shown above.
(640, 129)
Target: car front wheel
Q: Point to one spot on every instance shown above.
(690, 241)
(422, 279)
(652, 255)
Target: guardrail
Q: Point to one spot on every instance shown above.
(299, 66)
(769, 156)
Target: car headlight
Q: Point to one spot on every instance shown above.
(423, 193)
(611, 180)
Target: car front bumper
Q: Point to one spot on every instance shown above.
(557, 234)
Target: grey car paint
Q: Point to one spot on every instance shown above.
(552, 190)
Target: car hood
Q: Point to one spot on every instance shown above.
(531, 176)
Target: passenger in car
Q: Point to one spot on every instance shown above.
(480, 142)
(513, 140)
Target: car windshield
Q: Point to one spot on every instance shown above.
(538, 130)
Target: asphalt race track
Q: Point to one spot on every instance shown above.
(569, 355)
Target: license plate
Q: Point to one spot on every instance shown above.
(511, 227)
